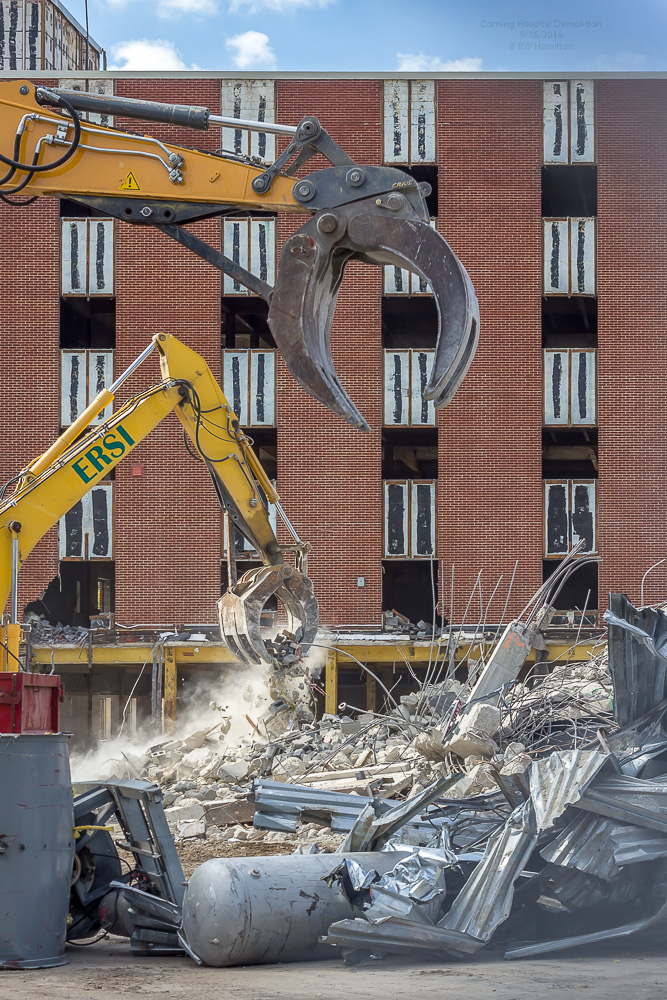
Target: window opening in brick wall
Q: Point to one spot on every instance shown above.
(569, 121)
(409, 322)
(251, 243)
(569, 454)
(406, 588)
(249, 383)
(568, 246)
(570, 514)
(87, 257)
(409, 513)
(569, 387)
(88, 323)
(244, 324)
(573, 595)
(426, 173)
(83, 375)
(405, 376)
(399, 281)
(569, 322)
(74, 210)
(409, 121)
(75, 595)
(569, 190)
(409, 454)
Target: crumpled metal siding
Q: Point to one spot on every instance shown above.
(601, 847)
(558, 781)
(637, 657)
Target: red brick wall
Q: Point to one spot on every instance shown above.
(29, 360)
(329, 473)
(490, 494)
(631, 128)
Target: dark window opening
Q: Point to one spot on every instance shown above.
(81, 591)
(88, 324)
(572, 597)
(409, 322)
(408, 587)
(569, 453)
(244, 324)
(73, 210)
(426, 173)
(569, 190)
(265, 447)
(569, 322)
(409, 453)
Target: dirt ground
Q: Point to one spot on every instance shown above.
(108, 971)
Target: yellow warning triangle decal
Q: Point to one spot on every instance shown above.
(130, 183)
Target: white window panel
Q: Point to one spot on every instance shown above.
(396, 121)
(582, 256)
(235, 383)
(397, 280)
(396, 521)
(569, 515)
(263, 249)
(422, 411)
(87, 256)
(74, 256)
(235, 245)
(253, 100)
(73, 385)
(557, 388)
(556, 130)
(397, 392)
(91, 86)
(262, 388)
(422, 121)
(582, 130)
(583, 388)
(11, 35)
(83, 374)
(100, 257)
(422, 519)
(86, 531)
(556, 257)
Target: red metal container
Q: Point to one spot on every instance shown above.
(30, 703)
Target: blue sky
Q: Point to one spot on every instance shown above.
(378, 35)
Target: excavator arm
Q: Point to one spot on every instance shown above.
(53, 483)
(371, 213)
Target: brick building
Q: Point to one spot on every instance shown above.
(551, 190)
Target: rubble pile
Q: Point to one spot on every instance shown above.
(42, 632)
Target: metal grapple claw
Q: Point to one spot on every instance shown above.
(390, 229)
(240, 609)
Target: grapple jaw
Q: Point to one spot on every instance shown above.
(240, 609)
(387, 228)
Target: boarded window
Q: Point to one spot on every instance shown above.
(86, 256)
(406, 374)
(409, 121)
(409, 519)
(569, 256)
(251, 100)
(400, 281)
(85, 532)
(251, 243)
(569, 388)
(569, 515)
(249, 383)
(83, 374)
(568, 119)
(91, 86)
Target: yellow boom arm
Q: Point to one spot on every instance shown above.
(54, 482)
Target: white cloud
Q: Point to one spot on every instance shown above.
(147, 54)
(171, 8)
(251, 50)
(275, 6)
(418, 62)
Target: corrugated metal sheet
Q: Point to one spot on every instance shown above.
(569, 388)
(253, 100)
(601, 847)
(637, 657)
(87, 256)
(86, 531)
(631, 800)
(83, 374)
(559, 780)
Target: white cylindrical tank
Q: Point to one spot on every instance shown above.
(36, 849)
(244, 911)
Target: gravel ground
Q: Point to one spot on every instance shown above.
(108, 971)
